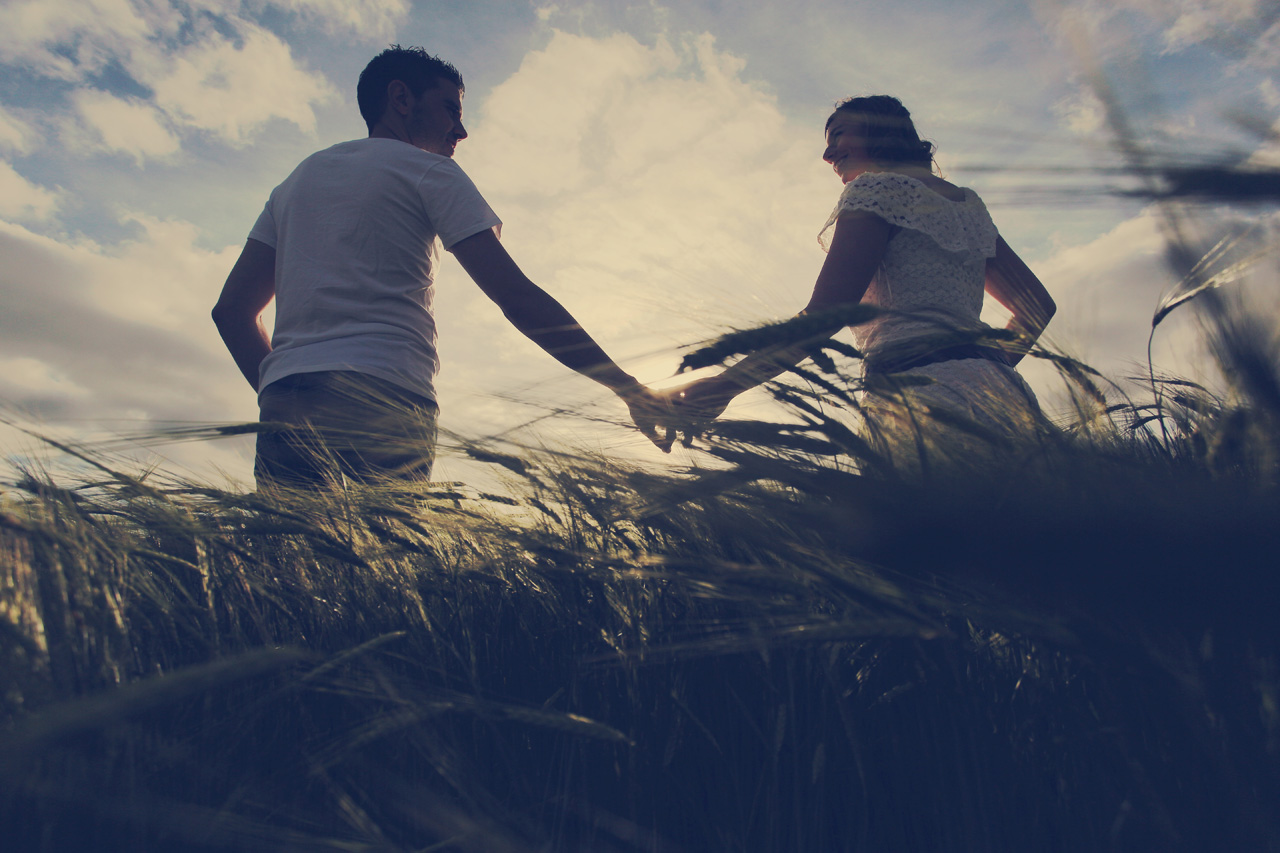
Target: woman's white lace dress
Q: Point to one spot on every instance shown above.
(931, 280)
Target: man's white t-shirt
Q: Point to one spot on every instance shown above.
(354, 229)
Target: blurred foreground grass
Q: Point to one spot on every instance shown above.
(1062, 642)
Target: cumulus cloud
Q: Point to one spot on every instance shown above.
(1104, 284)
(232, 89)
(375, 18)
(127, 125)
(98, 342)
(1247, 30)
(16, 135)
(661, 197)
(208, 66)
(22, 200)
(1269, 93)
(67, 39)
(1082, 113)
(662, 161)
(1108, 289)
(125, 331)
(36, 380)
(1196, 21)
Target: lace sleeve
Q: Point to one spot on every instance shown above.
(957, 226)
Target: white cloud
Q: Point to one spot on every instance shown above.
(1082, 113)
(128, 125)
(1246, 29)
(1106, 281)
(118, 341)
(1089, 26)
(32, 377)
(376, 18)
(232, 90)
(660, 170)
(210, 68)
(1269, 93)
(1190, 27)
(22, 200)
(649, 187)
(661, 198)
(1108, 289)
(1196, 21)
(558, 116)
(1267, 155)
(67, 38)
(15, 134)
(130, 324)
(160, 279)
(1263, 48)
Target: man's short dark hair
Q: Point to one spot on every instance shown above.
(413, 66)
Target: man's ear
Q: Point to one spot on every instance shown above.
(399, 97)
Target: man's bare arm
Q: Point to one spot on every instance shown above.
(249, 289)
(549, 325)
(535, 312)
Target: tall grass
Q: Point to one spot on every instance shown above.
(1061, 641)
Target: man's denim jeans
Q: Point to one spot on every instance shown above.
(335, 424)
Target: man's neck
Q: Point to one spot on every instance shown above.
(382, 130)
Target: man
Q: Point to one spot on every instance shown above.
(347, 246)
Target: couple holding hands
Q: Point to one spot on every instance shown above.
(348, 246)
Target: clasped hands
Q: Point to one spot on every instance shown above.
(677, 414)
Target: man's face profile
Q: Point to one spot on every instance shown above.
(435, 119)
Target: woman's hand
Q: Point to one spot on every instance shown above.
(691, 407)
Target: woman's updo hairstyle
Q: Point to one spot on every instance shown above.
(887, 130)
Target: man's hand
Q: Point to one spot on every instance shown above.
(648, 410)
(691, 407)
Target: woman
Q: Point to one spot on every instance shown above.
(923, 250)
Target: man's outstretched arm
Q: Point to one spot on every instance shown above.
(249, 289)
(548, 324)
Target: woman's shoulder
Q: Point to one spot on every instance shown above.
(873, 182)
(909, 186)
(956, 223)
(896, 196)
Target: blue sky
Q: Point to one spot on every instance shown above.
(657, 168)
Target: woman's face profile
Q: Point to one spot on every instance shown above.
(846, 151)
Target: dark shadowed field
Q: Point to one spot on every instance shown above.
(1060, 643)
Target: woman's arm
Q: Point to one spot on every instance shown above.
(857, 248)
(1012, 283)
